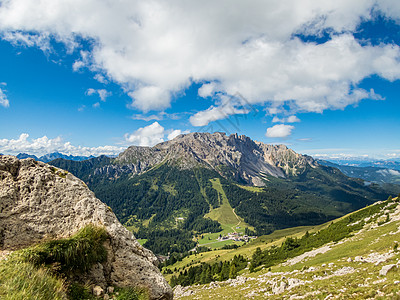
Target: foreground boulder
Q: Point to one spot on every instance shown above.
(38, 202)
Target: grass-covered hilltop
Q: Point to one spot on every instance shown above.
(354, 257)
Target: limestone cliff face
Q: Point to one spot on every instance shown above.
(235, 156)
(38, 201)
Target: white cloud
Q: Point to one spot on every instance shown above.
(175, 133)
(100, 78)
(146, 136)
(290, 119)
(228, 106)
(151, 135)
(103, 94)
(42, 41)
(204, 117)
(90, 92)
(77, 65)
(279, 131)
(44, 145)
(207, 90)
(157, 49)
(158, 117)
(149, 97)
(3, 99)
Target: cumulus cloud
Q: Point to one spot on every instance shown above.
(146, 136)
(227, 106)
(44, 145)
(157, 49)
(3, 99)
(103, 94)
(279, 131)
(149, 97)
(204, 117)
(290, 119)
(151, 135)
(42, 41)
(175, 133)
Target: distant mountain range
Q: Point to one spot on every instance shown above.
(388, 164)
(52, 156)
(199, 177)
(378, 171)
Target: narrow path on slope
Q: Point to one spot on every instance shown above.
(234, 227)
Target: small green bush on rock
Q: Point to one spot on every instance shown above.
(78, 252)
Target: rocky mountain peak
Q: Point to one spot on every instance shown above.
(38, 202)
(240, 156)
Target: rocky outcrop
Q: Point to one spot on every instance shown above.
(235, 156)
(38, 201)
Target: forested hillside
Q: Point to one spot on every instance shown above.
(163, 193)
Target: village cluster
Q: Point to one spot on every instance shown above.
(235, 236)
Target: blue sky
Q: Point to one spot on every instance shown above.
(93, 78)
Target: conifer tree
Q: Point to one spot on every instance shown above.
(232, 271)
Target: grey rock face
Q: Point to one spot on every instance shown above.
(38, 201)
(232, 156)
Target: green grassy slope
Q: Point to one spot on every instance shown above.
(226, 216)
(348, 269)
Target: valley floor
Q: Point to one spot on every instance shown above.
(364, 266)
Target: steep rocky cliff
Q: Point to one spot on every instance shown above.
(38, 202)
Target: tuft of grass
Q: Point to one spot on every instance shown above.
(131, 294)
(78, 252)
(22, 280)
(77, 291)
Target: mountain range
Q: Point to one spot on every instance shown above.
(52, 156)
(200, 183)
(372, 172)
(367, 162)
